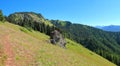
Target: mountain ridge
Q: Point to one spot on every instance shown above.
(102, 42)
(32, 48)
(91, 38)
(112, 28)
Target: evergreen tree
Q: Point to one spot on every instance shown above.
(1, 16)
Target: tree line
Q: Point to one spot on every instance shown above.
(106, 44)
(2, 16)
(30, 24)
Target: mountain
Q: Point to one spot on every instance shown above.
(31, 20)
(21, 17)
(103, 43)
(22, 47)
(112, 28)
(106, 44)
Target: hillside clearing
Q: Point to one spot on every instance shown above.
(32, 48)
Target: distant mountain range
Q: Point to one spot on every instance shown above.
(112, 28)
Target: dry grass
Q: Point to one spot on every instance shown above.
(2, 56)
(34, 49)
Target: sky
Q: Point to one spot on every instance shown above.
(88, 12)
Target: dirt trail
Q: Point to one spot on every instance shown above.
(9, 52)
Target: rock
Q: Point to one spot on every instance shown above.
(56, 38)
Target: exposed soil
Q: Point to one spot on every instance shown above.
(10, 61)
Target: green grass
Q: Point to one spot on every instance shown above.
(32, 48)
(3, 56)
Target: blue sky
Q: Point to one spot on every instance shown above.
(88, 12)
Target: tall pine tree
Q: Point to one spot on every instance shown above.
(1, 16)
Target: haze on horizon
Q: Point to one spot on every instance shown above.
(88, 12)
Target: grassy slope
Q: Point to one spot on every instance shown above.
(34, 49)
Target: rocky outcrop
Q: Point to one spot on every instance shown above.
(56, 38)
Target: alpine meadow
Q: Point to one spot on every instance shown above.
(60, 33)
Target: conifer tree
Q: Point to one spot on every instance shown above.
(1, 16)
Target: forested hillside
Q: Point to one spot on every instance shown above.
(106, 44)
(26, 46)
(31, 48)
(31, 20)
(103, 43)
